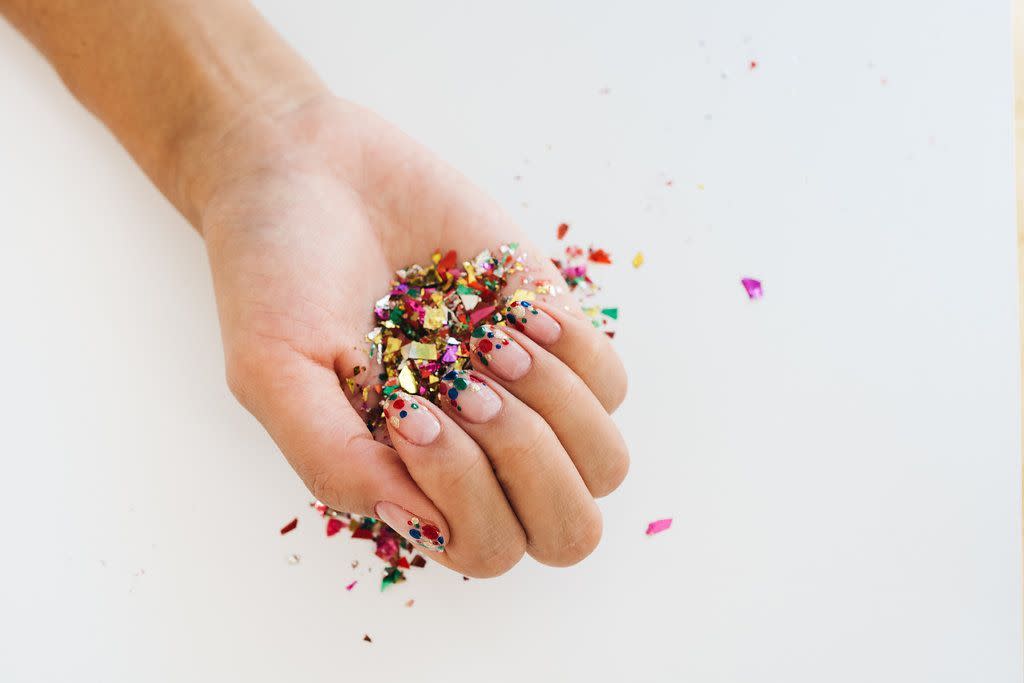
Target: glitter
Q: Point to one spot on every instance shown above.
(351, 585)
(293, 559)
(290, 526)
(753, 287)
(658, 525)
(638, 260)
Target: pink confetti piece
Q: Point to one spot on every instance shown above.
(658, 525)
(351, 585)
(478, 315)
(753, 287)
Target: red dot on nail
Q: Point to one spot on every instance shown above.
(431, 532)
(484, 345)
(399, 403)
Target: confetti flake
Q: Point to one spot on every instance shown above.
(334, 525)
(367, 638)
(562, 229)
(600, 256)
(290, 526)
(753, 287)
(351, 586)
(638, 260)
(294, 559)
(409, 603)
(658, 525)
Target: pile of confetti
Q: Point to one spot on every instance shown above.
(426, 321)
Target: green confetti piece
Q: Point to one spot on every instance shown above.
(612, 313)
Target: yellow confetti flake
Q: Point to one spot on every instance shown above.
(392, 347)
(524, 295)
(434, 318)
(406, 379)
(419, 351)
(638, 260)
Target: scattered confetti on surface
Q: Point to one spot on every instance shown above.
(638, 260)
(367, 638)
(409, 603)
(753, 64)
(293, 559)
(290, 526)
(351, 585)
(334, 525)
(753, 287)
(658, 525)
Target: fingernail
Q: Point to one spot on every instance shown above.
(533, 322)
(469, 396)
(421, 532)
(499, 354)
(407, 415)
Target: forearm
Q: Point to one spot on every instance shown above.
(170, 78)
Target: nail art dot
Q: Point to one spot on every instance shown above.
(404, 413)
(484, 346)
(460, 384)
(415, 533)
(453, 393)
(399, 403)
(415, 406)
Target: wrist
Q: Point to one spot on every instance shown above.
(233, 139)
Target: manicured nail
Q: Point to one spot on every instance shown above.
(499, 354)
(533, 322)
(419, 531)
(414, 422)
(469, 396)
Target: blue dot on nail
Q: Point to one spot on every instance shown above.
(440, 540)
(404, 413)
(415, 533)
(453, 393)
(497, 346)
(490, 334)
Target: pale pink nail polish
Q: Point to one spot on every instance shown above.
(533, 322)
(494, 350)
(421, 532)
(407, 415)
(469, 396)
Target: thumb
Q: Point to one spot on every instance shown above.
(303, 407)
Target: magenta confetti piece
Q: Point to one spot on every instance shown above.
(351, 585)
(658, 525)
(753, 287)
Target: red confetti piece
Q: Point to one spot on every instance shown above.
(448, 262)
(562, 229)
(334, 525)
(367, 638)
(362, 533)
(600, 256)
(351, 585)
(753, 64)
(658, 525)
(403, 563)
(419, 561)
(290, 526)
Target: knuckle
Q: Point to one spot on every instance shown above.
(573, 543)
(614, 468)
(499, 557)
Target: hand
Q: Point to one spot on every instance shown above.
(306, 217)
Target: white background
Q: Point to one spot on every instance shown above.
(841, 458)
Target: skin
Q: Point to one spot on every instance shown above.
(307, 205)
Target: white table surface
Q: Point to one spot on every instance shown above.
(841, 458)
